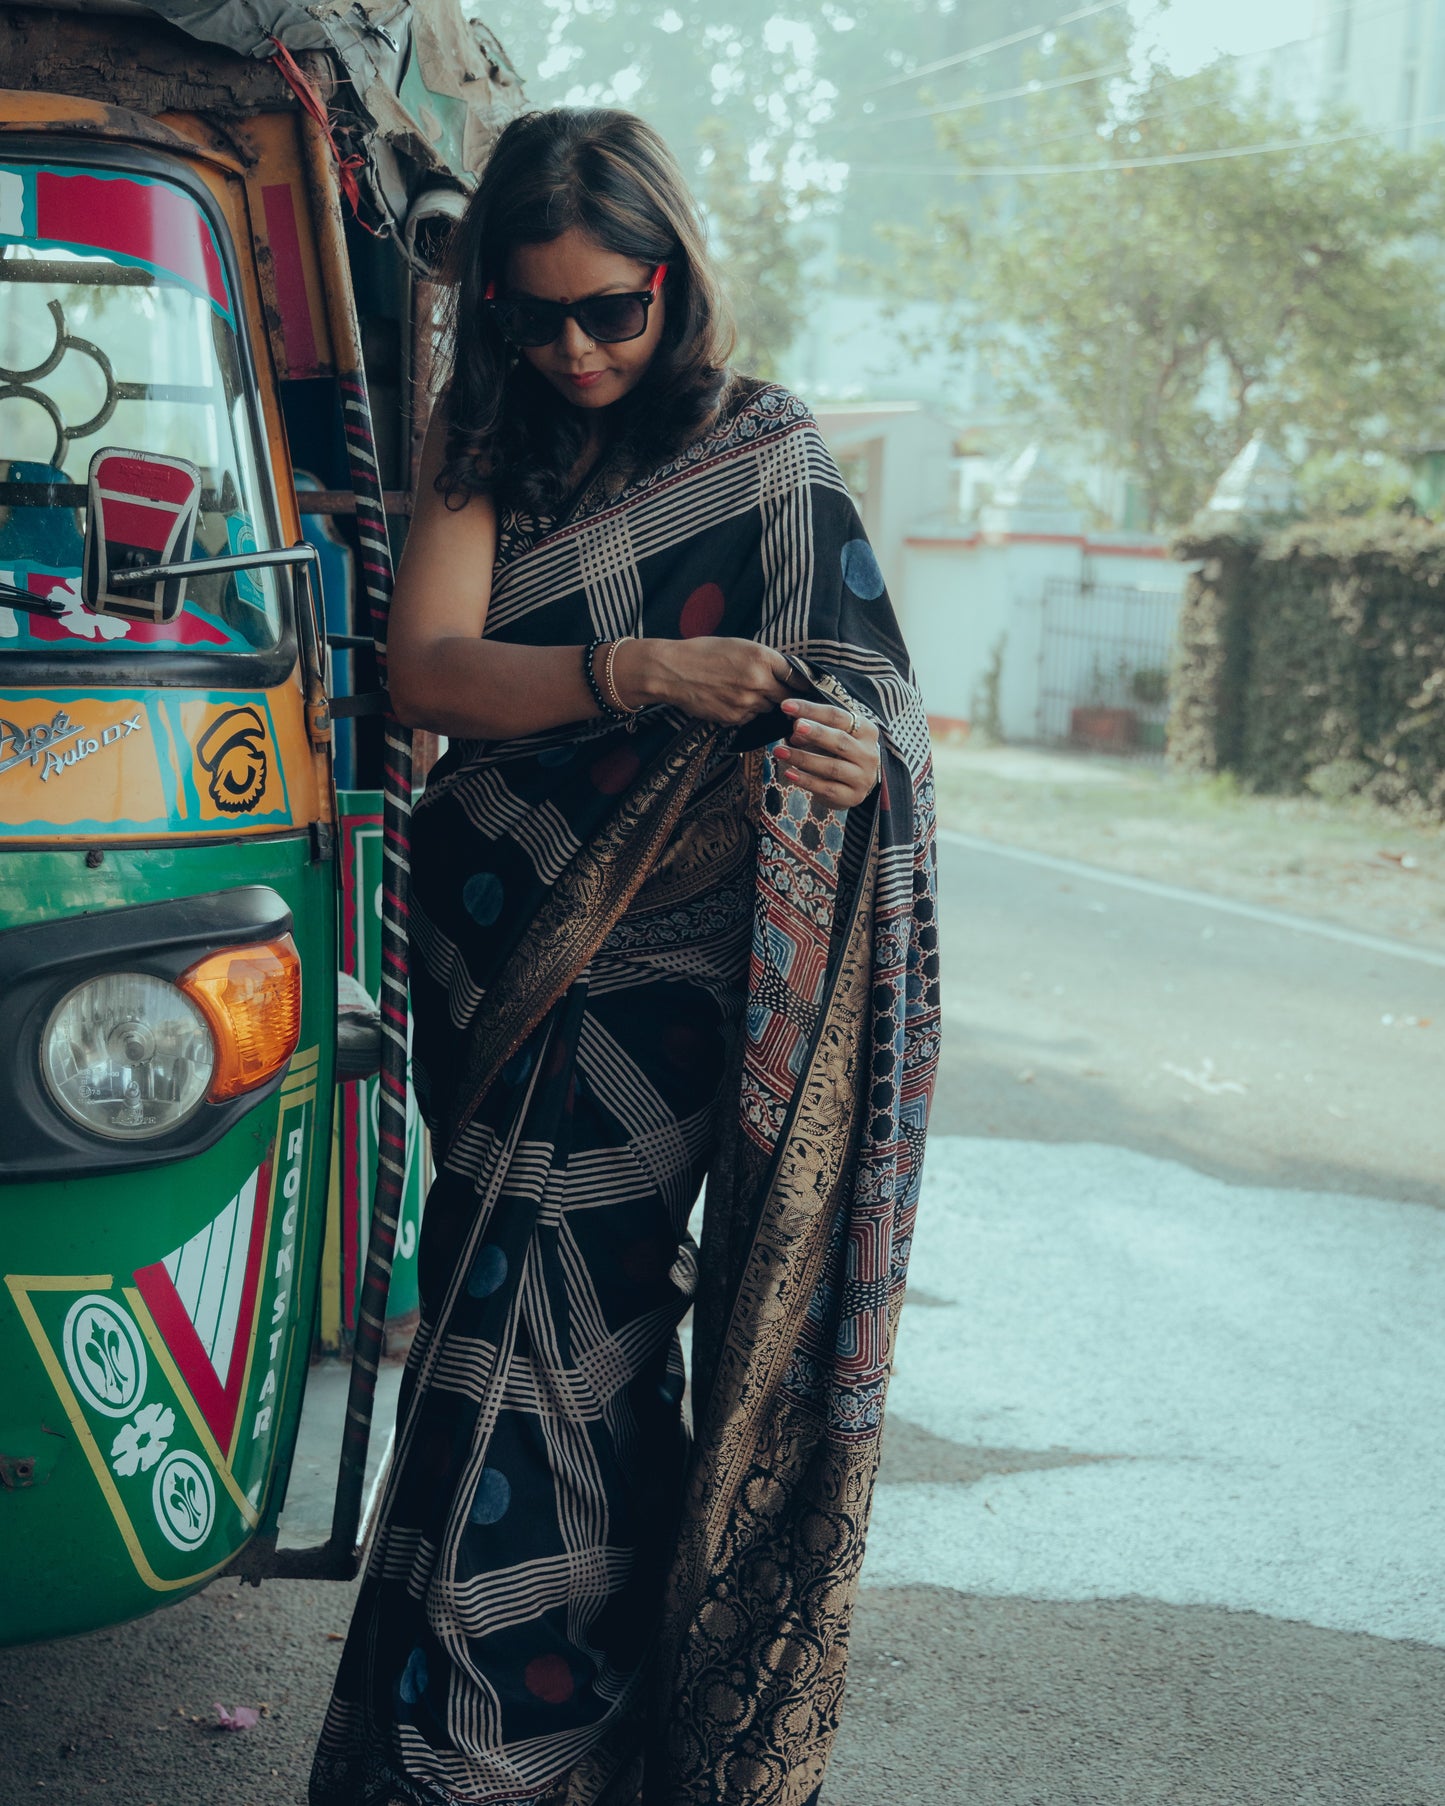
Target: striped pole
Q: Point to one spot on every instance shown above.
(376, 586)
(376, 583)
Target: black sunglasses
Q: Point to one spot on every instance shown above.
(605, 319)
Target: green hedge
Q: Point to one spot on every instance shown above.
(1313, 657)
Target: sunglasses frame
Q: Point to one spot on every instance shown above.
(569, 310)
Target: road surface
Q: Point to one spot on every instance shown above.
(1158, 1517)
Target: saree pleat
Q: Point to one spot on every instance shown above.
(638, 960)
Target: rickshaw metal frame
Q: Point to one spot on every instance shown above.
(356, 1505)
(173, 669)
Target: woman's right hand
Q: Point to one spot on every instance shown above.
(716, 679)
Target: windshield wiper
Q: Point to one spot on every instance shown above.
(29, 602)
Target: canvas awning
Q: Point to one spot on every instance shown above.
(427, 88)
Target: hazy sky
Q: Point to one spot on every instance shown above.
(1190, 32)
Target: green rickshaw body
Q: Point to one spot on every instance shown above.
(165, 799)
(155, 1323)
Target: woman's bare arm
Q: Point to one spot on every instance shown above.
(441, 673)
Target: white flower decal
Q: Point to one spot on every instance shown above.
(78, 619)
(142, 1443)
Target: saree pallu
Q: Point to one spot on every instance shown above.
(639, 959)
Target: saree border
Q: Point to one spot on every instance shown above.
(746, 1434)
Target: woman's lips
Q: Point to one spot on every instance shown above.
(587, 378)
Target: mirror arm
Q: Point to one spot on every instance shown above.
(318, 709)
(205, 567)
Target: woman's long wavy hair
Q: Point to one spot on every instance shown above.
(609, 174)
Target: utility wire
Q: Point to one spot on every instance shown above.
(983, 50)
(1090, 129)
(1247, 56)
(981, 100)
(1111, 165)
(990, 95)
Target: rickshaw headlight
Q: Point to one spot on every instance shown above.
(127, 1056)
(251, 999)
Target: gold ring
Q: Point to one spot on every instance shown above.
(852, 723)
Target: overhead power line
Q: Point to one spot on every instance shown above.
(982, 50)
(1090, 127)
(982, 100)
(1112, 165)
(970, 102)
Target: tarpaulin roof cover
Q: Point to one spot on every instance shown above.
(435, 86)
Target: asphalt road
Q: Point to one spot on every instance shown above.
(1158, 1518)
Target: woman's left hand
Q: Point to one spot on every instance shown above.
(830, 753)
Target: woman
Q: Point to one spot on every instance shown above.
(672, 916)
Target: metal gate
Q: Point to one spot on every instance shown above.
(1104, 660)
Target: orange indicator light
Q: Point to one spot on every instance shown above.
(251, 997)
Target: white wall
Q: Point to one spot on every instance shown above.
(958, 597)
(960, 591)
(910, 453)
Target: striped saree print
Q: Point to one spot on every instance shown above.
(643, 963)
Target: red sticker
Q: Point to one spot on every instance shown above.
(148, 221)
(188, 629)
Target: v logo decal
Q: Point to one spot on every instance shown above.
(203, 1297)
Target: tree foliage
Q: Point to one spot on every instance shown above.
(779, 72)
(760, 247)
(738, 97)
(1169, 312)
(777, 112)
(1336, 484)
(1313, 657)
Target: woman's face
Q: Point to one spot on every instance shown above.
(569, 268)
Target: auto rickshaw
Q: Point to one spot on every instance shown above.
(213, 275)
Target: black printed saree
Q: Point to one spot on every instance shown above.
(639, 960)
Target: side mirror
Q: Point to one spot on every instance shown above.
(143, 511)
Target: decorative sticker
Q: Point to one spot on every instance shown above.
(241, 537)
(104, 1355)
(77, 629)
(233, 753)
(203, 1298)
(169, 762)
(139, 1445)
(174, 1384)
(77, 763)
(278, 1338)
(136, 220)
(158, 1476)
(184, 1500)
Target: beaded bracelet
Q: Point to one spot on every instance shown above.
(604, 707)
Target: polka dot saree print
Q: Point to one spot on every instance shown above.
(639, 959)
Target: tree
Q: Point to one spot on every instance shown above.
(737, 96)
(765, 102)
(760, 248)
(1170, 310)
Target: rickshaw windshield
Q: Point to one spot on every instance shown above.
(118, 329)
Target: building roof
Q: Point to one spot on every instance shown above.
(1258, 483)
